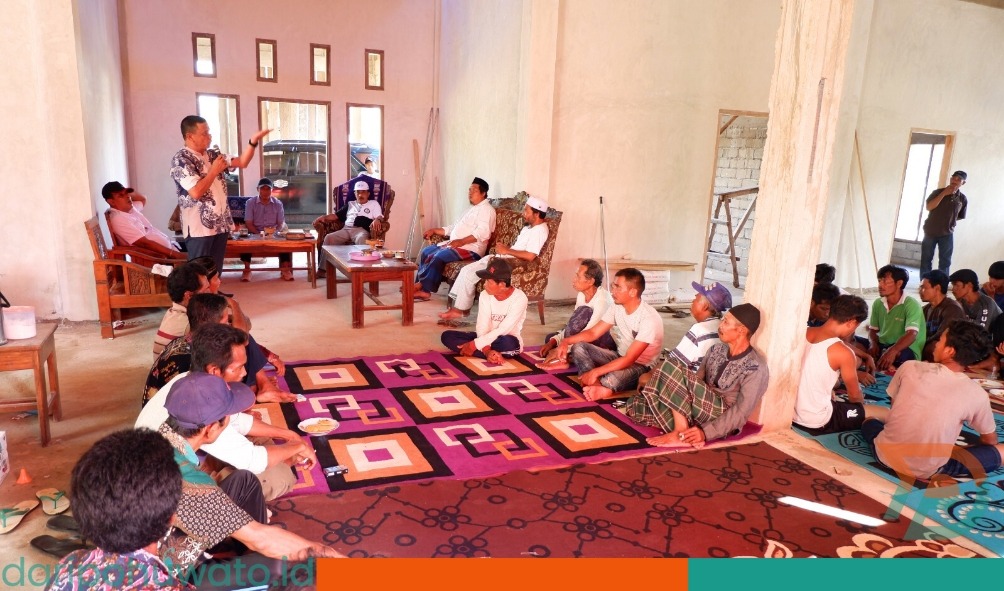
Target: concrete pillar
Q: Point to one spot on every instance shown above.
(806, 159)
(538, 59)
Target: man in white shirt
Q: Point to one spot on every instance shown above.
(637, 329)
(591, 303)
(527, 247)
(198, 175)
(129, 226)
(501, 312)
(468, 240)
(361, 217)
(220, 350)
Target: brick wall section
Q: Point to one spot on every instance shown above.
(740, 153)
(905, 252)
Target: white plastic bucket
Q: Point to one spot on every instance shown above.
(19, 322)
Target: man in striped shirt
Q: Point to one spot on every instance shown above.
(183, 282)
(707, 308)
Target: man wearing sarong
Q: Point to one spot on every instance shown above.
(693, 408)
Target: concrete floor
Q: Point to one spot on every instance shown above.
(101, 382)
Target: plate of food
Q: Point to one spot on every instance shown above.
(363, 257)
(296, 235)
(318, 426)
(988, 384)
(996, 392)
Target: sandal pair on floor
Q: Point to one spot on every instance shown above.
(53, 502)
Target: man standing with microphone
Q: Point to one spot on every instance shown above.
(945, 206)
(198, 175)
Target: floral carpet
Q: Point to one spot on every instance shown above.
(712, 503)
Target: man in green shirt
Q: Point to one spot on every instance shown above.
(897, 329)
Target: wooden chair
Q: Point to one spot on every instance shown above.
(380, 191)
(120, 283)
(529, 277)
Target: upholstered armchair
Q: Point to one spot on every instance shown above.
(530, 277)
(341, 195)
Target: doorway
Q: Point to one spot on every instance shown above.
(739, 154)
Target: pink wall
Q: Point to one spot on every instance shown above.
(161, 87)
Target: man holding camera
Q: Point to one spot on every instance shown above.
(198, 172)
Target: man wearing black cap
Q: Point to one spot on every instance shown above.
(501, 312)
(468, 240)
(199, 407)
(266, 212)
(693, 408)
(130, 227)
(946, 206)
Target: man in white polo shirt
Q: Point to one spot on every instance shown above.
(129, 226)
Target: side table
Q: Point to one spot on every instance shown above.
(32, 354)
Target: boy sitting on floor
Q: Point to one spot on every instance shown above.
(501, 312)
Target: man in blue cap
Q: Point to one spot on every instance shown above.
(199, 407)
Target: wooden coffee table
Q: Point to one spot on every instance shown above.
(266, 247)
(358, 273)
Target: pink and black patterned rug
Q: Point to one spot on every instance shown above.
(418, 417)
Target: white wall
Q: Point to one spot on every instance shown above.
(162, 88)
(479, 91)
(934, 65)
(62, 74)
(637, 90)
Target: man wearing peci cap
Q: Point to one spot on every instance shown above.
(129, 226)
(527, 247)
(361, 218)
(199, 408)
(945, 206)
(467, 241)
(501, 312)
(266, 212)
(693, 408)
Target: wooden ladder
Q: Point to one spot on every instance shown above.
(725, 198)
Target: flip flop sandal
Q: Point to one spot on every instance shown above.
(54, 501)
(59, 547)
(10, 517)
(65, 523)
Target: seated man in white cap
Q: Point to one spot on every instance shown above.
(527, 247)
(361, 217)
